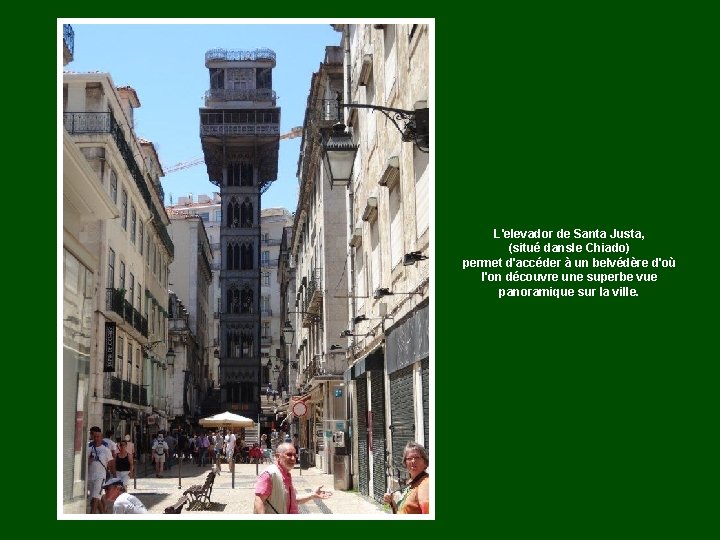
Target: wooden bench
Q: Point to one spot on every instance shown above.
(199, 495)
(177, 507)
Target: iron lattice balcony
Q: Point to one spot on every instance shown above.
(115, 302)
(122, 390)
(258, 55)
(226, 94)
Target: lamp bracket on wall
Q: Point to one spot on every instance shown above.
(416, 123)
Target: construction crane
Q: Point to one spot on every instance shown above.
(294, 132)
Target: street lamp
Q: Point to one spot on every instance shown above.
(339, 155)
(169, 355)
(288, 333)
(339, 149)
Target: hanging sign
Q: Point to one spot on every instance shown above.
(109, 348)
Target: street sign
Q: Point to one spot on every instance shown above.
(299, 408)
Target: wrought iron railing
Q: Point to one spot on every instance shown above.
(69, 38)
(122, 390)
(115, 301)
(326, 110)
(268, 262)
(227, 94)
(237, 56)
(88, 122)
(270, 241)
(240, 129)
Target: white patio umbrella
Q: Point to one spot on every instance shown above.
(227, 420)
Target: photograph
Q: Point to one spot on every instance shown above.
(247, 217)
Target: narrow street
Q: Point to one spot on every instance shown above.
(159, 493)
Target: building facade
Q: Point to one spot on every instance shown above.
(363, 349)
(85, 204)
(389, 239)
(239, 132)
(127, 370)
(190, 320)
(318, 312)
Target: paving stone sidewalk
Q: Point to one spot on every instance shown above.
(158, 493)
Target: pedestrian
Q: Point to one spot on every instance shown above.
(219, 441)
(110, 443)
(159, 450)
(230, 449)
(415, 497)
(100, 464)
(203, 445)
(274, 490)
(172, 445)
(130, 447)
(255, 454)
(122, 502)
(124, 466)
(295, 444)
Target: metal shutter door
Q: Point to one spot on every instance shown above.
(377, 387)
(402, 423)
(426, 401)
(361, 393)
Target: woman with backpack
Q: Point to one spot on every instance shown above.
(159, 451)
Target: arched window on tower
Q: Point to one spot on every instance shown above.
(246, 300)
(233, 178)
(246, 256)
(233, 213)
(247, 345)
(233, 342)
(246, 213)
(233, 256)
(233, 300)
(246, 174)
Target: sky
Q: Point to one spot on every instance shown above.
(165, 64)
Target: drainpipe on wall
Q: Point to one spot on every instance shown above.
(351, 225)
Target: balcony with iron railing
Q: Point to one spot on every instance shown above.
(313, 296)
(261, 123)
(268, 262)
(266, 312)
(83, 123)
(266, 340)
(115, 302)
(258, 55)
(122, 390)
(228, 94)
(326, 112)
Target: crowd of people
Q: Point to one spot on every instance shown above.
(111, 465)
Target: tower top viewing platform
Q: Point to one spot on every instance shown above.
(262, 55)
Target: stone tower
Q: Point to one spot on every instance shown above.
(239, 131)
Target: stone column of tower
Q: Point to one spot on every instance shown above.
(240, 135)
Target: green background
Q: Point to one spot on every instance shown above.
(579, 417)
(553, 418)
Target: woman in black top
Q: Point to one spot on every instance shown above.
(124, 465)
